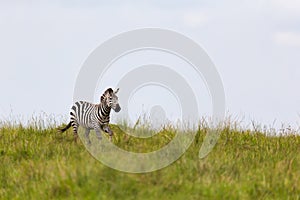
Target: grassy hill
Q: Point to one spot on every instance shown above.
(39, 163)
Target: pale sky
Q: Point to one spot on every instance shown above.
(255, 46)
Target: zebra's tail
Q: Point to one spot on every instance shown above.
(63, 129)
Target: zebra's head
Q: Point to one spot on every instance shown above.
(110, 98)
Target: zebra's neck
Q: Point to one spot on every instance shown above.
(104, 111)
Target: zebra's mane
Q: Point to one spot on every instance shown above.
(109, 91)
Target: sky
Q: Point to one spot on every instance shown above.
(255, 46)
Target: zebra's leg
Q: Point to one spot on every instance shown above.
(97, 129)
(87, 138)
(75, 130)
(109, 131)
(98, 133)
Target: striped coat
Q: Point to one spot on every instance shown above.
(93, 116)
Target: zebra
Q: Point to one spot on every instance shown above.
(93, 116)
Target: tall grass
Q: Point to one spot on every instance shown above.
(39, 163)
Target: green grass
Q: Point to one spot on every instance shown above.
(38, 163)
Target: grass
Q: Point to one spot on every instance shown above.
(39, 163)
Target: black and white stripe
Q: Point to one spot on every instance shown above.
(93, 116)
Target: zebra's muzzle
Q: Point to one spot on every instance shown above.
(117, 108)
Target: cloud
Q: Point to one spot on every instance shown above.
(195, 19)
(287, 4)
(287, 38)
(289, 8)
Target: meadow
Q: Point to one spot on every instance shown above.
(40, 163)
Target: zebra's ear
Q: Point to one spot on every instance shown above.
(117, 90)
